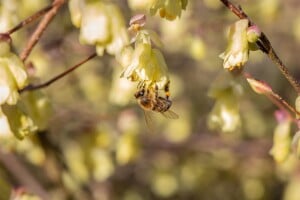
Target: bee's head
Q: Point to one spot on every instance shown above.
(139, 93)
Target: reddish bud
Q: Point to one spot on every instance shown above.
(253, 33)
(139, 19)
(4, 37)
(259, 87)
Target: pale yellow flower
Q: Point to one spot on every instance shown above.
(13, 76)
(19, 122)
(76, 7)
(102, 24)
(225, 115)
(148, 66)
(38, 108)
(237, 52)
(169, 9)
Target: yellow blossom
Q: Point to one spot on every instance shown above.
(76, 7)
(169, 9)
(147, 65)
(12, 73)
(20, 123)
(237, 52)
(225, 115)
(102, 24)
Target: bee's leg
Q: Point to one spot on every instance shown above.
(139, 85)
(148, 92)
(143, 86)
(167, 90)
(156, 91)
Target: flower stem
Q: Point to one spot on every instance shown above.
(30, 19)
(57, 77)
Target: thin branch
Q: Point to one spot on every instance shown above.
(30, 19)
(265, 46)
(41, 28)
(281, 103)
(263, 88)
(57, 77)
(237, 11)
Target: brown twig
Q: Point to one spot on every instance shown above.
(30, 19)
(59, 76)
(277, 98)
(273, 96)
(41, 28)
(265, 46)
(237, 11)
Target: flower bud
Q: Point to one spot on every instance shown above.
(253, 33)
(259, 87)
(137, 21)
(5, 43)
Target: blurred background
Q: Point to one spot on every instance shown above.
(97, 144)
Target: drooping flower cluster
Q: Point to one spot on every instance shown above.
(147, 64)
(101, 24)
(13, 77)
(29, 114)
(241, 39)
(20, 116)
(169, 9)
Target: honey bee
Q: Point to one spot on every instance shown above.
(150, 101)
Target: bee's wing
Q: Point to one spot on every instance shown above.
(170, 114)
(149, 120)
